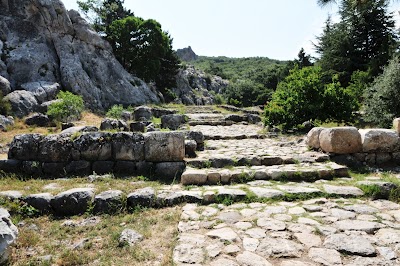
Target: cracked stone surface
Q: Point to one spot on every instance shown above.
(289, 233)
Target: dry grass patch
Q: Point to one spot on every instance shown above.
(99, 243)
(34, 185)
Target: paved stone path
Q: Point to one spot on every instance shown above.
(314, 232)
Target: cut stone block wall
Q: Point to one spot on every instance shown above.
(101, 152)
(350, 146)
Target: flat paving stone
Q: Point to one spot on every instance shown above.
(343, 190)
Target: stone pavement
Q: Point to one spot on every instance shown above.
(314, 232)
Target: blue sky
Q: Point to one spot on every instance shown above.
(238, 28)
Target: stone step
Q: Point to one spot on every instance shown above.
(210, 123)
(254, 160)
(79, 200)
(291, 172)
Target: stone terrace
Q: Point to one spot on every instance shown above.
(251, 198)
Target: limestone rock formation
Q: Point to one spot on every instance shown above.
(8, 235)
(196, 87)
(42, 43)
(187, 54)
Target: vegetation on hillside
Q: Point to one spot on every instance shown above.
(141, 46)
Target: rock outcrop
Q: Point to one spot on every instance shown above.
(42, 43)
(8, 235)
(195, 87)
(187, 54)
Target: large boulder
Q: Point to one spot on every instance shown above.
(8, 235)
(5, 87)
(312, 139)
(173, 121)
(37, 119)
(43, 91)
(113, 124)
(43, 42)
(22, 102)
(379, 140)
(143, 113)
(340, 140)
(5, 122)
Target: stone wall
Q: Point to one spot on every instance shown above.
(155, 153)
(357, 147)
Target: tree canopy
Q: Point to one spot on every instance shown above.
(141, 46)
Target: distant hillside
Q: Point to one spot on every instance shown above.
(236, 68)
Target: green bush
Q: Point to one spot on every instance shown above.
(68, 109)
(5, 106)
(247, 93)
(115, 111)
(302, 96)
(381, 102)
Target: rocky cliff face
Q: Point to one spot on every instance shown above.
(41, 42)
(198, 88)
(187, 54)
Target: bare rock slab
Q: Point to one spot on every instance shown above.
(350, 244)
(251, 259)
(356, 225)
(224, 234)
(325, 256)
(188, 254)
(279, 248)
(343, 190)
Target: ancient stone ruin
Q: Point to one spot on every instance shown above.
(153, 153)
(354, 147)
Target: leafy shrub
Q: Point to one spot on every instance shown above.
(69, 107)
(247, 93)
(302, 96)
(115, 111)
(382, 97)
(5, 106)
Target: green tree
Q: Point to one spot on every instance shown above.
(141, 46)
(382, 103)
(302, 96)
(303, 60)
(247, 93)
(363, 40)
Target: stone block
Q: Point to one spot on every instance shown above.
(144, 197)
(128, 146)
(94, 146)
(32, 168)
(103, 167)
(164, 146)
(137, 127)
(125, 167)
(113, 124)
(144, 168)
(194, 177)
(312, 139)
(54, 169)
(72, 202)
(41, 201)
(196, 136)
(110, 201)
(173, 121)
(80, 168)
(190, 148)
(55, 148)
(340, 140)
(8, 236)
(25, 147)
(379, 140)
(396, 125)
(169, 170)
(10, 166)
(143, 113)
